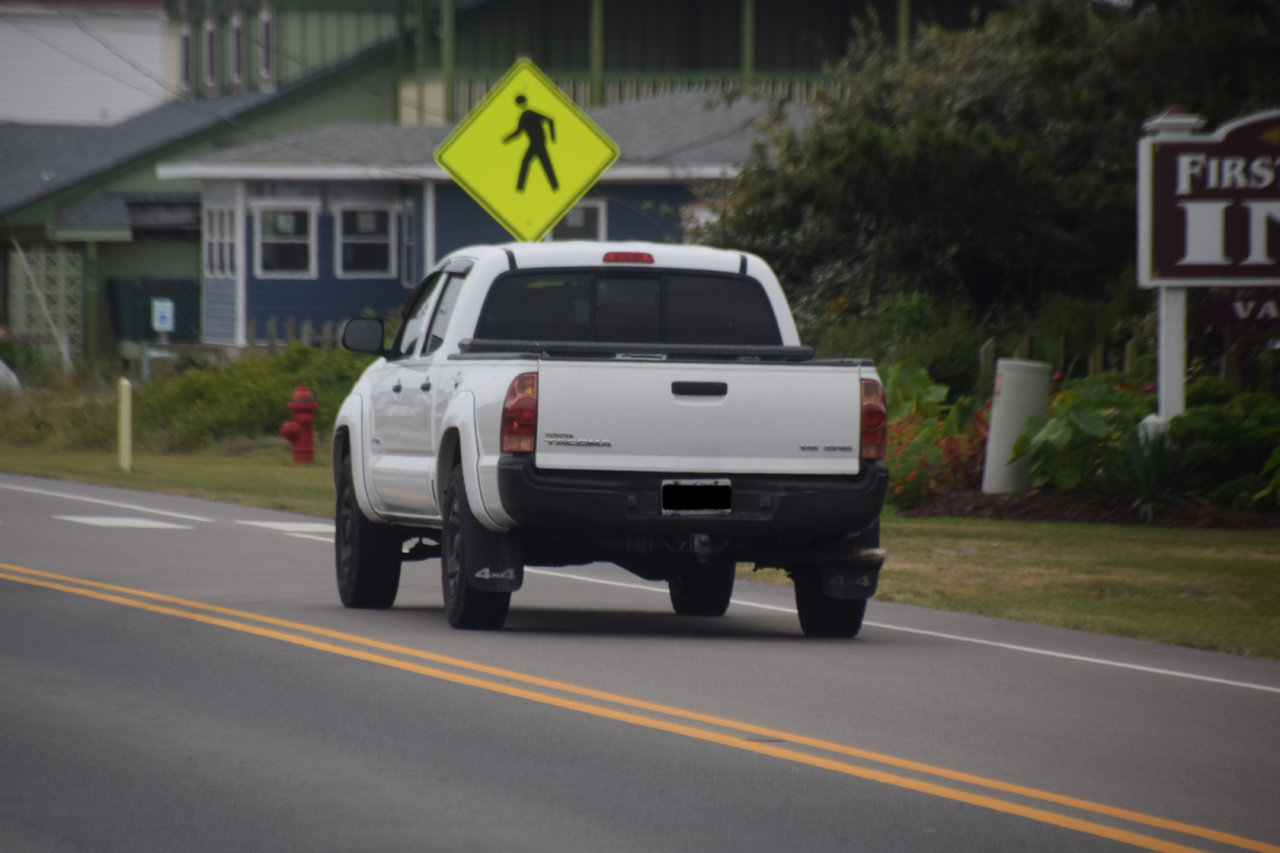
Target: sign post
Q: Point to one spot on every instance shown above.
(1208, 216)
(526, 153)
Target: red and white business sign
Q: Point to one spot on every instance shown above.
(1209, 205)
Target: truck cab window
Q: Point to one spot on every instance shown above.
(443, 313)
(415, 320)
(719, 310)
(628, 310)
(541, 307)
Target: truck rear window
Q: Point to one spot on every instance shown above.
(676, 307)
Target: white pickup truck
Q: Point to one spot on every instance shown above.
(643, 404)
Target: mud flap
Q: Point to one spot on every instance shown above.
(850, 582)
(856, 576)
(497, 560)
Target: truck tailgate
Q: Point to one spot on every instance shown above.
(704, 418)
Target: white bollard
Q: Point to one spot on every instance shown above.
(125, 432)
(1022, 390)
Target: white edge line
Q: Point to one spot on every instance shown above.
(110, 522)
(314, 537)
(1079, 658)
(958, 638)
(102, 502)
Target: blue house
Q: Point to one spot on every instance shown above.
(332, 223)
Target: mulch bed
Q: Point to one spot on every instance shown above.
(1085, 508)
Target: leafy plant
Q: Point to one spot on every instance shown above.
(1272, 489)
(1208, 391)
(1150, 471)
(933, 447)
(1068, 447)
(1227, 446)
(908, 390)
(935, 455)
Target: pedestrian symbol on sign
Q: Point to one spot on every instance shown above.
(561, 153)
(530, 125)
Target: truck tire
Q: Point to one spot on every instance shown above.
(702, 590)
(367, 555)
(823, 616)
(465, 606)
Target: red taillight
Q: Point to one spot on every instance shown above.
(874, 420)
(628, 258)
(520, 415)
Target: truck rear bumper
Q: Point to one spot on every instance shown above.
(606, 502)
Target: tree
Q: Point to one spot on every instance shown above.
(995, 166)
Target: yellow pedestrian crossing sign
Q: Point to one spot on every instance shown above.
(526, 153)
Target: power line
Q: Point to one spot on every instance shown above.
(9, 18)
(196, 103)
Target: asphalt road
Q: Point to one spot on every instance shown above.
(178, 674)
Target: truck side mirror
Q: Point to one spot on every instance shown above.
(363, 334)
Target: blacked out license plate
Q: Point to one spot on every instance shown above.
(697, 497)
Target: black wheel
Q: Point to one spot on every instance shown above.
(823, 616)
(465, 606)
(702, 590)
(367, 555)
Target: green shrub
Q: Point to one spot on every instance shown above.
(1087, 422)
(908, 390)
(1271, 474)
(1227, 453)
(64, 414)
(244, 399)
(1208, 391)
(1226, 446)
(1148, 471)
(909, 327)
(201, 407)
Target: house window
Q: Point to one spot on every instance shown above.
(585, 222)
(219, 243)
(210, 55)
(365, 242)
(184, 59)
(285, 240)
(237, 50)
(265, 47)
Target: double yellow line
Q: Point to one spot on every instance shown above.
(1022, 801)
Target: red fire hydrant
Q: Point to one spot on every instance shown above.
(301, 431)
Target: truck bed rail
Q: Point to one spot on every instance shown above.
(655, 351)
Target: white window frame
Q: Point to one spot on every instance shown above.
(266, 34)
(186, 59)
(602, 221)
(392, 240)
(311, 208)
(210, 55)
(220, 242)
(237, 50)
